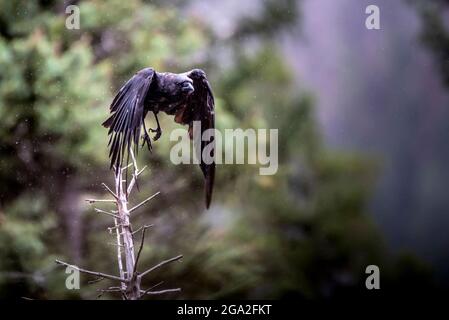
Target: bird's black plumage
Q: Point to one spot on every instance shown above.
(188, 96)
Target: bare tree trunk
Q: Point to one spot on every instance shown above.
(125, 230)
(127, 261)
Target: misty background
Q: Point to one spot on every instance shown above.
(378, 92)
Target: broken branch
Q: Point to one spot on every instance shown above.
(109, 189)
(93, 273)
(161, 264)
(143, 202)
(107, 213)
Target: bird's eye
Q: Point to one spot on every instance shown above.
(187, 87)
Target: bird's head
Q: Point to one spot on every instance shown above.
(176, 86)
(196, 74)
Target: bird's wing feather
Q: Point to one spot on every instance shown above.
(200, 107)
(127, 116)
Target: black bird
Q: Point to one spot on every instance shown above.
(187, 95)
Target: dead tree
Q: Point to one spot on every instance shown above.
(129, 278)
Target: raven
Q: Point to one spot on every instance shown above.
(187, 95)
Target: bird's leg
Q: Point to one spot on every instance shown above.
(146, 138)
(158, 130)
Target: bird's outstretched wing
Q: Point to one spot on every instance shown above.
(127, 116)
(200, 107)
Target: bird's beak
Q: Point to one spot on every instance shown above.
(187, 87)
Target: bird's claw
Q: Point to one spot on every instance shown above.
(146, 138)
(158, 133)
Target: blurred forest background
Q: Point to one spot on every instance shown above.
(363, 128)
